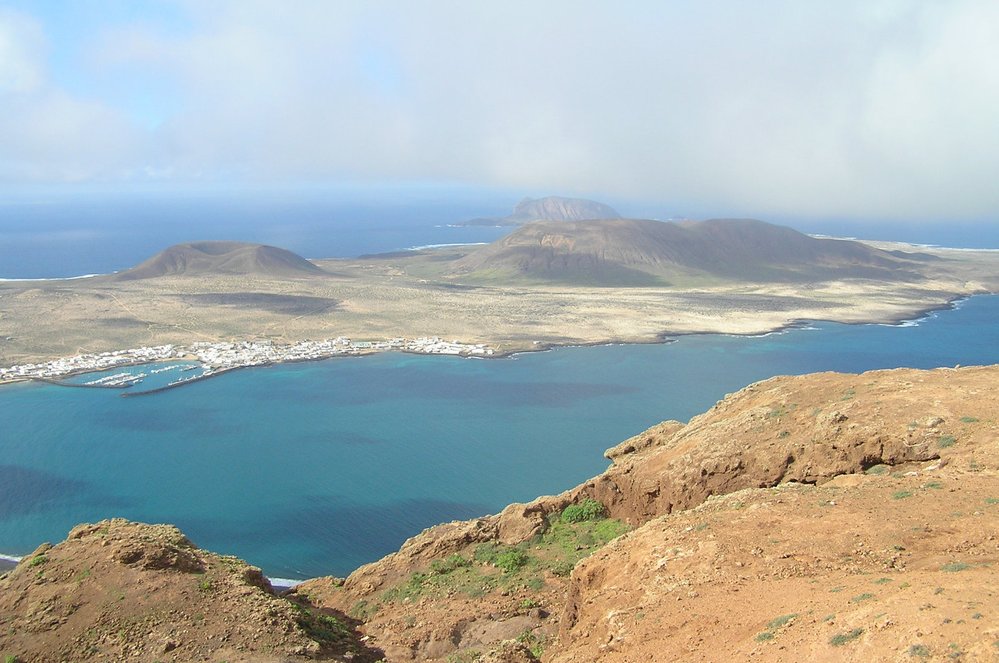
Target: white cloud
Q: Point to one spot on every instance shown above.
(863, 109)
(47, 134)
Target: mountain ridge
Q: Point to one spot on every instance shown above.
(221, 257)
(646, 252)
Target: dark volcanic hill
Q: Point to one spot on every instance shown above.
(550, 208)
(640, 252)
(202, 258)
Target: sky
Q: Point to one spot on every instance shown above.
(849, 108)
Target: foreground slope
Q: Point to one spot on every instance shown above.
(642, 252)
(116, 591)
(824, 517)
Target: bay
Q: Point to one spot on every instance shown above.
(316, 468)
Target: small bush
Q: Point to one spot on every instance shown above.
(842, 638)
(448, 564)
(860, 598)
(588, 509)
(561, 569)
(882, 581)
(919, 651)
(902, 494)
(954, 567)
(764, 636)
(946, 441)
(969, 420)
(38, 560)
(878, 469)
(512, 560)
(777, 622)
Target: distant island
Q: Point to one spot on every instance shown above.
(549, 208)
(550, 282)
(636, 252)
(221, 257)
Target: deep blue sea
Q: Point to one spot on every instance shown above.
(316, 468)
(310, 469)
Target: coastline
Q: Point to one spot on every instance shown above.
(369, 348)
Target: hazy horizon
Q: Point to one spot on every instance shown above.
(777, 110)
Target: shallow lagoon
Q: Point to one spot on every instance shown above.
(309, 469)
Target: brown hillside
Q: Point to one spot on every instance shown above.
(117, 591)
(642, 252)
(844, 500)
(240, 258)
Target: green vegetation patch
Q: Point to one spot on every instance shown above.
(778, 622)
(946, 441)
(878, 469)
(901, 494)
(588, 509)
(570, 536)
(919, 651)
(841, 639)
(325, 629)
(860, 598)
(38, 560)
(764, 636)
(954, 567)
(969, 420)
(535, 642)
(882, 581)
(992, 500)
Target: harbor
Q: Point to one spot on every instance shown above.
(212, 358)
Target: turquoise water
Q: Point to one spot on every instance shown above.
(309, 469)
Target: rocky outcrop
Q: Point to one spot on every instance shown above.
(779, 449)
(118, 590)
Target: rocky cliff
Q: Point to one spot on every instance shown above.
(824, 517)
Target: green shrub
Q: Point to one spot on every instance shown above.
(842, 638)
(588, 509)
(512, 560)
(954, 567)
(946, 441)
(448, 564)
(919, 651)
(764, 636)
(777, 622)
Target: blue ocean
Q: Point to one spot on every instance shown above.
(310, 469)
(316, 468)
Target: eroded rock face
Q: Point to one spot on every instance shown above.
(777, 448)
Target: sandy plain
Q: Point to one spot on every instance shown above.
(410, 295)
